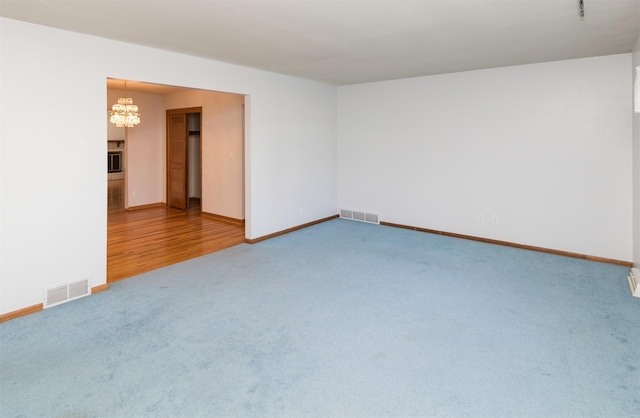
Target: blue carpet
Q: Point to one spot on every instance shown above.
(342, 319)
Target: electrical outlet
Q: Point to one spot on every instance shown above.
(480, 218)
(494, 219)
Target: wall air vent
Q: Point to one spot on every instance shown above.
(78, 289)
(369, 217)
(56, 295)
(347, 214)
(65, 293)
(359, 216)
(634, 282)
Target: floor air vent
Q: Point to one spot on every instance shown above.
(65, 293)
(359, 216)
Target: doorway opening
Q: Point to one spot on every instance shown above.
(115, 175)
(211, 145)
(184, 158)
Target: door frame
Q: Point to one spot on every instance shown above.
(168, 113)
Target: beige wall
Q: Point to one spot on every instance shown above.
(144, 159)
(222, 143)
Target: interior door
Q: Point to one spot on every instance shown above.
(177, 160)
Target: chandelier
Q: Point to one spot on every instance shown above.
(125, 113)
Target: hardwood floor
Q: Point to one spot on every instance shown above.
(115, 195)
(145, 240)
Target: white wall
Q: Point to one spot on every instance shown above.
(53, 139)
(546, 147)
(636, 166)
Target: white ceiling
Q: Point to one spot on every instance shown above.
(353, 41)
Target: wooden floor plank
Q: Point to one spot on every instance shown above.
(148, 239)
